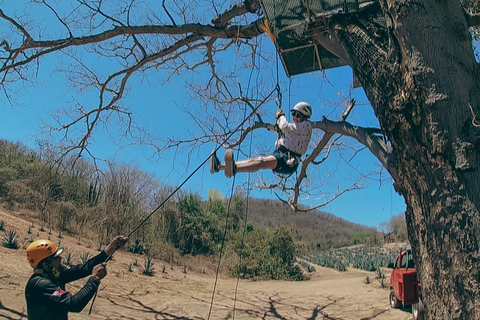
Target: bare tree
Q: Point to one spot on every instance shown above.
(414, 60)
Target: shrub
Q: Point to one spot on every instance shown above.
(380, 274)
(383, 283)
(2, 225)
(137, 247)
(367, 280)
(268, 255)
(10, 240)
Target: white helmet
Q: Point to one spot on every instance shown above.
(304, 108)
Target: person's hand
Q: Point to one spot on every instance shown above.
(117, 242)
(279, 113)
(99, 271)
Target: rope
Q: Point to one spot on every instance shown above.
(245, 219)
(186, 179)
(228, 213)
(242, 242)
(277, 56)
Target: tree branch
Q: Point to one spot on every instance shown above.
(323, 142)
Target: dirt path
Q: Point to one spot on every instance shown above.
(177, 295)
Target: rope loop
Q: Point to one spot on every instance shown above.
(279, 96)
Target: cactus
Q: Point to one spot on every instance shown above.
(94, 193)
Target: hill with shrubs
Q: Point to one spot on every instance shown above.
(72, 196)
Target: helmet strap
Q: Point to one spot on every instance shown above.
(48, 271)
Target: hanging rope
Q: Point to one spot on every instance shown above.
(221, 247)
(228, 211)
(186, 180)
(242, 242)
(245, 219)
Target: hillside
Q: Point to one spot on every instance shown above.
(74, 198)
(317, 229)
(174, 294)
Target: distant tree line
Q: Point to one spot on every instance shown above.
(73, 196)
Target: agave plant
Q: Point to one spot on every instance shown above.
(84, 258)
(67, 260)
(148, 266)
(10, 240)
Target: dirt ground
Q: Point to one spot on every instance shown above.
(176, 295)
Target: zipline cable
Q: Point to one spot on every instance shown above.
(188, 178)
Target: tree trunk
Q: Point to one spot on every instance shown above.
(416, 64)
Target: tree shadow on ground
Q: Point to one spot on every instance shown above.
(14, 312)
(263, 308)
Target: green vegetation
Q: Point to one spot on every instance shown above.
(84, 257)
(366, 258)
(74, 198)
(148, 266)
(67, 259)
(10, 240)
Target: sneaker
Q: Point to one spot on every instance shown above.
(229, 164)
(214, 162)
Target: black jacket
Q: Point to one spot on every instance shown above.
(46, 295)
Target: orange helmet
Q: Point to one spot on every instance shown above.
(39, 250)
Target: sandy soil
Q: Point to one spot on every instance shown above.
(176, 295)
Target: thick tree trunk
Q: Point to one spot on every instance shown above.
(421, 78)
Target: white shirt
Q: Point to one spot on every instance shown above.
(294, 136)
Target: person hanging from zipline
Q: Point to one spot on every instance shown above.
(291, 144)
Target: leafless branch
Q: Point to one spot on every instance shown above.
(323, 142)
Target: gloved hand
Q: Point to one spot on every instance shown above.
(279, 113)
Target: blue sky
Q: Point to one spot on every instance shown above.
(154, 105)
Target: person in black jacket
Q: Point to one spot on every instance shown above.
(45, 292)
